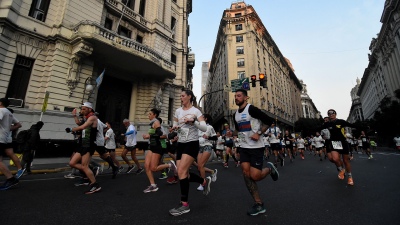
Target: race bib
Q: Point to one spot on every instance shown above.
(242, 137)
(183, 134)
(337, 145)
(288, 142)
(83, 133)
(202, 140)
(364, 140)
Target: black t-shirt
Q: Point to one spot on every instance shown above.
(336, 129)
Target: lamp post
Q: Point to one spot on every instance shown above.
(88, 88)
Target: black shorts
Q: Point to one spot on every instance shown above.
(344, 151)
(130, 148)
(276, 146)
(3, 147)
(101, 150)
(171, 148)
(110, 149)
(156, 149)
(84, 150)
(254, 156)
(189, 148)
(229, 144)
(328, 146)
(365, 146)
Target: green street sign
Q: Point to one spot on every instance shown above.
(240, 84)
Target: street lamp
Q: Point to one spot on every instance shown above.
(88, 88)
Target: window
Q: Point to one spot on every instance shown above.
(238, 14)
(142, 7)
(240, 50)
(240, 62)
(241, 75)
(129, 3)
(125, 32)
(173, 58)
(108, 24)
(239, 38)
(238, 27)
(20, 77)
(39, 9)
(139, 39)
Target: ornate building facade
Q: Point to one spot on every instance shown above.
(309, 110)
(244, 48)
(382, 76)
(356, 109)
(62, 46)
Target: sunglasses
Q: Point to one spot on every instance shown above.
(331, 113)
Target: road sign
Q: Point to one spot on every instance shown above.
(240, 84)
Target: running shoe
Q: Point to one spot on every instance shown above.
(19, 173)
(9, 183)
(95, 187)
(302, 157)
(82, 182)
(274, 172)
(115, 172)
(341, 174)
(200, 188)
(163, 176)
(226, 165)
(350, 181)
(130, 168)
(69, 176)
(139, 171)
(151, 188)
(237, 163)
(181, 209)
(172, 180)
(214, 175)
(256, 209)
(172, 166)
(96, 171)
(207, 186)
(282, 162)
(120, 169)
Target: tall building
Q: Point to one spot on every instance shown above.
(243, 48)
(204, 76)
(356, 109)
(62, 46)
(309, 110)
(382, 76)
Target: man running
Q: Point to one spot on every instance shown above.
(130, 146)
(249, 122)
(274, 135)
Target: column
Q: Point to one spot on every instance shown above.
(132, 107)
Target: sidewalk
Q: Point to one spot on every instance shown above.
(55, 165)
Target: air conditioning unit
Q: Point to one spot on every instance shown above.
(16, 102)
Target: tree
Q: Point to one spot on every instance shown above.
(308, 126)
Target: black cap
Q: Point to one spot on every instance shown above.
(5, 102)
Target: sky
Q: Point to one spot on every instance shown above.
(326, 41)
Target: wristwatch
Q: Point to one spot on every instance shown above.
(259, 132)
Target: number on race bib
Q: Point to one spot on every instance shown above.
(337, 145)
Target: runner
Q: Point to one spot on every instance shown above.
(365, 144)
(227, 135)
(339, 145)
(130, 146)
(248, 123)
(267, 147)
(289, 140)
(319, 144)
(188, 120)
(301, 146)
(110, 145)
(274, 134)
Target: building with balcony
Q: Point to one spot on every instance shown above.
(381, 78)
(243, 48)
(62, 46)
(309, 110)
(204, 77)
(356, 109)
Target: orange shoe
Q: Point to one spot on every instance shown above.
(350, 181)
(341, 174)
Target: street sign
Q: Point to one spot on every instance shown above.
(240, 84)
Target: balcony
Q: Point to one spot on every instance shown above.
(132, 16)
(118, 51)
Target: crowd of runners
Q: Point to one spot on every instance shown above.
(191, 142)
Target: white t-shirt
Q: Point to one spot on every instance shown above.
(187, 132)
(397, 140)
(273, 138)
(300, 143)
(100, 136)
(318, 140)
(131, 138)
(110, 142)
(6, 119)
(220, 143)
(266, 140)
(210, 133)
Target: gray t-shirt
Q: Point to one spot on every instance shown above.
(6, 119)
(186, 132)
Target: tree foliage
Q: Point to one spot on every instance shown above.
(308, 126)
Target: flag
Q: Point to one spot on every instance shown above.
(100, 79)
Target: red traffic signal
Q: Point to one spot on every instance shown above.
(253, 80)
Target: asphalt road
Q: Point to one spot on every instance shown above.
(308, 192)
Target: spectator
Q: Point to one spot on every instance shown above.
(31, 146)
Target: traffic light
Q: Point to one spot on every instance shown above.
(263, 81)
(253, 80)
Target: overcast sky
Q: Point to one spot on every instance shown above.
(326, 41)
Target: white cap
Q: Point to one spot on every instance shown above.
(88, 105)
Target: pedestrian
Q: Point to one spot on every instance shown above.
(289, 140)
(130, 146)
(249, 122)
(338, 145)
(6, 127)
(153, 155)
(188, 120)
(111, 145)
(227, 135)
(274, 135)
(81, 159)
(31, 145)
(319, 144)
(10, 150)
(365, 144)
(300, 145)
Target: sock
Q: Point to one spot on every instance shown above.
(185, 204)
(349, 174)
(340, 168)
(234, 158)
(184, 185)
(110, 162)
(154, 185)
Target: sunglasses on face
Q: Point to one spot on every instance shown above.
(331, 113)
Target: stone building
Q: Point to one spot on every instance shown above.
(243, 48)
(62, 46)
(356, 109)
(382, 76)
(309, 110)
